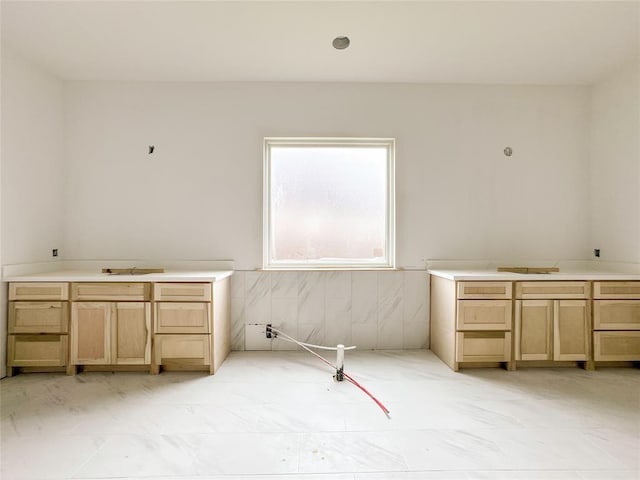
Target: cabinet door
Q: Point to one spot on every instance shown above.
(533, 329)
(131, 333)
(38, 317)
(183, 317)
(571, 330)
(91, 333)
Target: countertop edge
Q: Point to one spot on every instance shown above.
(79, 276)
(488, 275)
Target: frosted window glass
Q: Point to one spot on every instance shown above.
(328, 205)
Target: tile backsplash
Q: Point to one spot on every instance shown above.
(372, 310)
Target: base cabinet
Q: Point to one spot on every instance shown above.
(526, 323)
(104, 325)
(183, 326)
(38, 325)
(616, 321)
(555, 328)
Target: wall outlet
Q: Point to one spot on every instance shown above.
(255, 337)
(54, 252)
(596, 252)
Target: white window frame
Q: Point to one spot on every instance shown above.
(389, 261)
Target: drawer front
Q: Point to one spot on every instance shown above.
(183, 317)
(111, 291)
(483, 346)
(616, 346)
(552, 290)
(616, 314)
(182, 292)
(483, 315)
(37, 350)
(480, 290)
(616, 290)
(38, 317)
(38, 291)
(186, 349)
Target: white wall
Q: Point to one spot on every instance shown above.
(615, 165)
(200, 195)
(32, 166)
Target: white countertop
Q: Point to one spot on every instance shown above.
(489, 275)
(92, 276)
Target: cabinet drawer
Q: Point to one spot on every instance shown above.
(182, 292)
(38, 291)
(616, 290)
(38, 317)
(616, 346)
(37, 350)
(186, 349)
(183, 317)
(480, 290)
(483, 346)
(111, 291)
(616, 314)
(483, 315)
(552, 290)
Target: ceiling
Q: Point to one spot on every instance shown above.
(507, 42)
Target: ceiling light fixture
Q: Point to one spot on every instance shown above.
(340, 43)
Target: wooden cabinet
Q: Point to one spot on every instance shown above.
(183, 325)
(471, 322)
(116, 332)
(105, 333)
(38, 325)
(192, 325)
(552, 321)
(119, 325)
(616, 321)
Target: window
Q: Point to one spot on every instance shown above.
(329, 203)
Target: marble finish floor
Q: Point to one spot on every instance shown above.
(272, 415)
